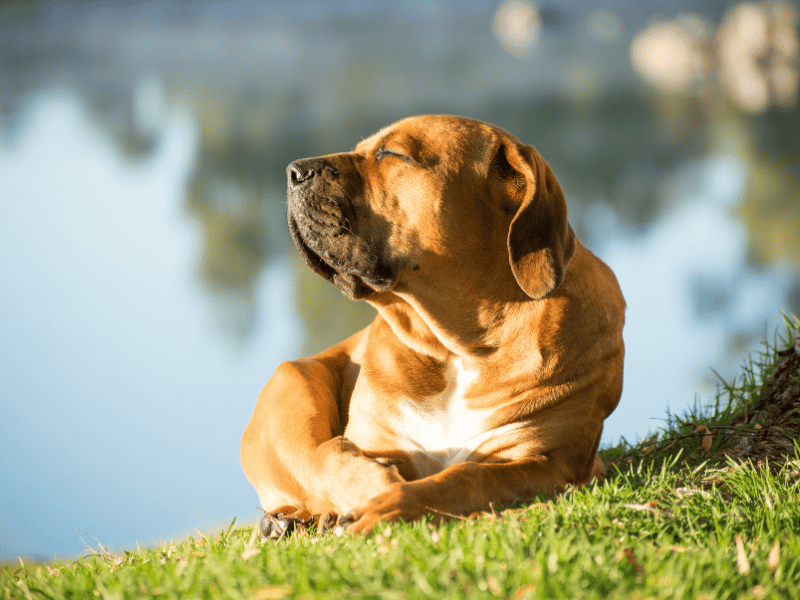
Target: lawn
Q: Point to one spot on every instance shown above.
(699, 510)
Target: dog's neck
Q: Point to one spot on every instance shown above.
(440, 330)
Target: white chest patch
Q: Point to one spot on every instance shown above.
(442, 430)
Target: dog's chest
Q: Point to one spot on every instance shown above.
(442, 430)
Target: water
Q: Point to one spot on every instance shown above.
(148, 286)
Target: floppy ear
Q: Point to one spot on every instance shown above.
(540, 240)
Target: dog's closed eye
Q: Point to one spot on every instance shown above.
(383, 152)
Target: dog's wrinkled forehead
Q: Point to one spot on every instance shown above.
(446, 142)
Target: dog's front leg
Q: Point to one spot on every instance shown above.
(462, 489)
(293, 451)
(345, 478)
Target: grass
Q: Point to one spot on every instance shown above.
(674, 519)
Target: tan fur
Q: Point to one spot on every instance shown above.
(496, 353)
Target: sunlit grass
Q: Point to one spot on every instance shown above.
(674, 519)
(703, 431)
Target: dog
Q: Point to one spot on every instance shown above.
(496, 352)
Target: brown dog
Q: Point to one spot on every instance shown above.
(496, 353)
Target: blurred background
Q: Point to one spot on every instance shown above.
(148, 285)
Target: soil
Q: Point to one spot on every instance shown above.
(776, 419)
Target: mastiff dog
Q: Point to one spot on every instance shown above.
(496, 352)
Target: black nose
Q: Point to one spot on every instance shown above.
(298, 172)
(304, 171)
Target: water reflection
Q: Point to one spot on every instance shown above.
(142, 199)
(751, 57)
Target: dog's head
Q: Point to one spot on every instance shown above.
(432, 198)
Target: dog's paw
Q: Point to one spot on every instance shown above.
(398, 503)
(326, 521)
(277, 526)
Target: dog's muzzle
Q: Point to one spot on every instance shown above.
(323, 226)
